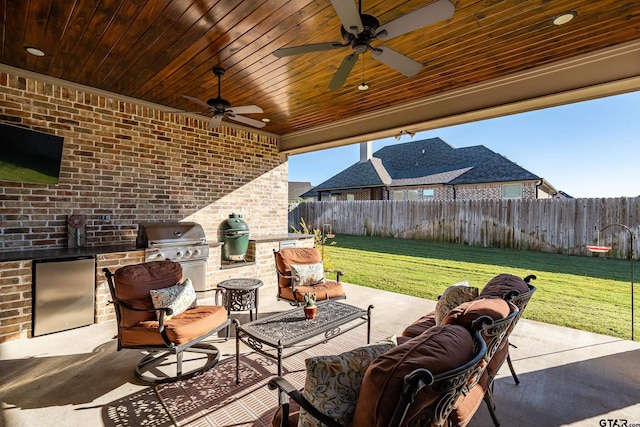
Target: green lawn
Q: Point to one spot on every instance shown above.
(588, 293)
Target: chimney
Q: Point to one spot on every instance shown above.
(365, 151)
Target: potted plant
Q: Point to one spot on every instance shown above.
(310, 307)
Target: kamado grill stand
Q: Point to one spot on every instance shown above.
(184, 242)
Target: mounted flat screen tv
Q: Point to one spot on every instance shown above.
(29, 156)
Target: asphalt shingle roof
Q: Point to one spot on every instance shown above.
(361, 174)
(297, 188)
(430, 161)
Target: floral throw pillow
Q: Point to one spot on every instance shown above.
(452, 297)
(309, 274)
(333, 382)
(179, 298)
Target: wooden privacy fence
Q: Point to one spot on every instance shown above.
(549, 225)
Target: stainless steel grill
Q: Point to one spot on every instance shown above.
(184, 242)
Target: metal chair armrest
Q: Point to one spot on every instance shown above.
(339, 273)
(285, 387)
(294, 282)
(126, 306)
(164, 311)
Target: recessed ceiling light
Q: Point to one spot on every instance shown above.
(266, 120)
(563, 18)
(34, 51)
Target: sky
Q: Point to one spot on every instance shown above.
(587, 149)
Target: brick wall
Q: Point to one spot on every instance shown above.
(467, 192)
(134, 163)
(15, 300)
(491, 191)
(446, 192)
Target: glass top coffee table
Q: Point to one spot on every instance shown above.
(284, 330)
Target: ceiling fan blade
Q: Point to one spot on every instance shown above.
(247, 121)
(396, 60)
(349, 15)
(215, 121)
(197, 101)
(343, 71)
(428, 15)
(246, 109)
(307, 48)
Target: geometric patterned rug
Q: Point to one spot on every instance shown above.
(213, 399)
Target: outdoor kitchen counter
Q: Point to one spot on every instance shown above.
(279, 237)
(39, 254)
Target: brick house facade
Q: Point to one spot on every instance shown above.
(432, 170)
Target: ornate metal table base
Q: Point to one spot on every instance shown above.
(241, 295)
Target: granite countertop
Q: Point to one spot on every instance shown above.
(54, 253)
(43, 254)
(280, 237)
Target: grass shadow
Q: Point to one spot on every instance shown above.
(596, 266)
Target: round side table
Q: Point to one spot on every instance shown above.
(241, 294)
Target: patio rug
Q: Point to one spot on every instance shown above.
(213, 398)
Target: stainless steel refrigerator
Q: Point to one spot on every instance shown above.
(63, 294)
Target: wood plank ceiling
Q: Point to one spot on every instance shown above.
(160, 50)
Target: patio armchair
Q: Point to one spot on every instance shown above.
(301, 270)
(157, 312)
(415, 383)
(511, 289)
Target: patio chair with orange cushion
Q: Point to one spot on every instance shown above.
(301, 270)
(157, 311)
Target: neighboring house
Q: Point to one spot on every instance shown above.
(296, 190)
(432, 170)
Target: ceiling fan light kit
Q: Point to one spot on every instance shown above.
(359, 30)
(221, 108)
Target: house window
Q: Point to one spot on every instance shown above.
(350, 197)
(512, 191)
(398, 195)
(427, 194)
(412, 194)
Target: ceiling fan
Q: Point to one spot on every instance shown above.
(222, 108)
(359, 30)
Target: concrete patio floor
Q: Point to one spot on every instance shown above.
(568, 377)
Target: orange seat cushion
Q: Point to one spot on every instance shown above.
(180, 329)
(294, 415)
(468, 404)
(329, 288)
